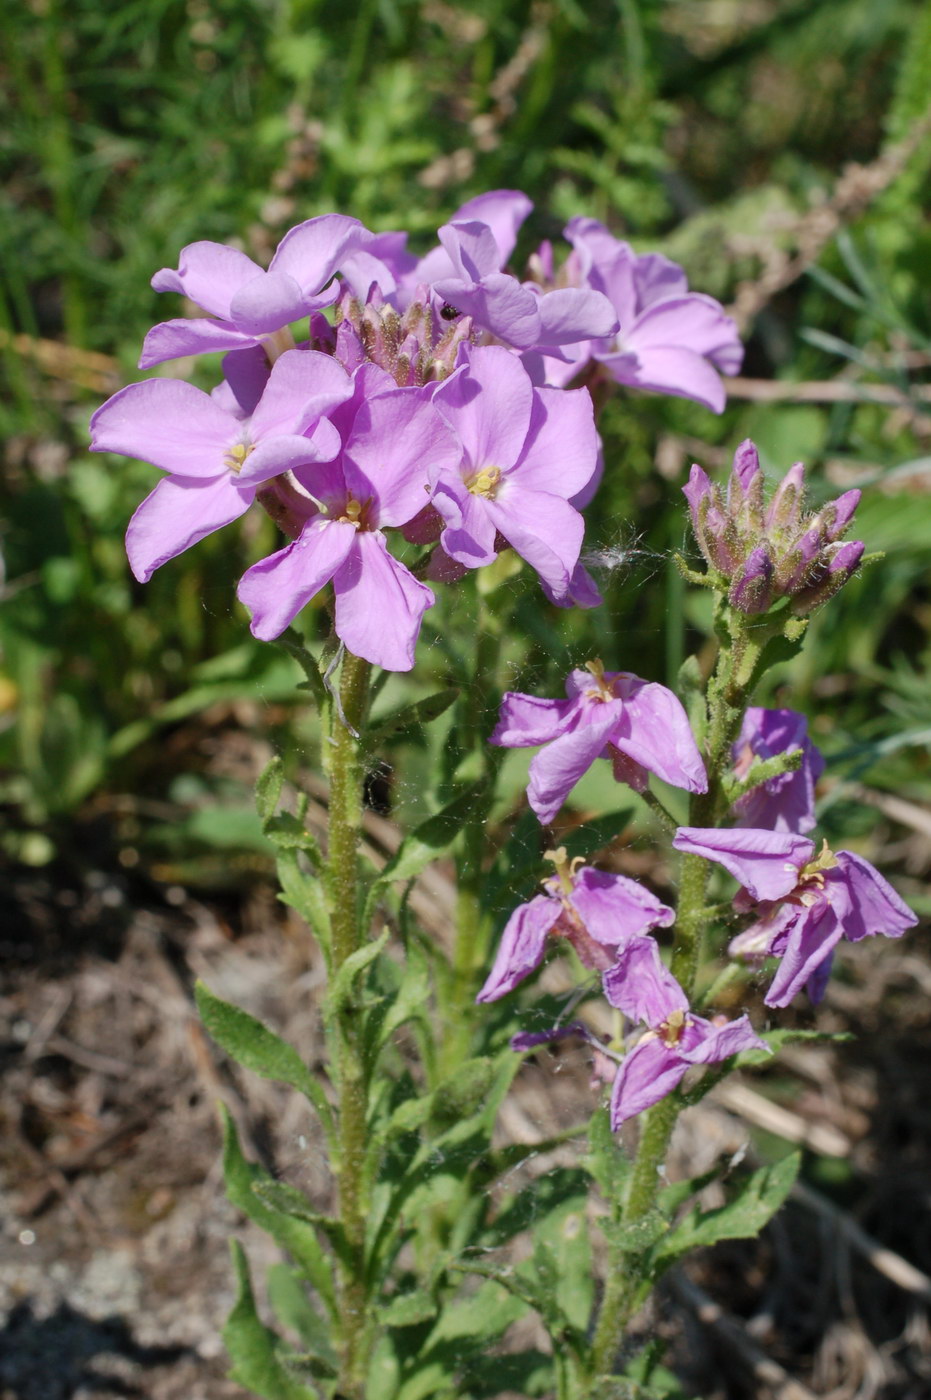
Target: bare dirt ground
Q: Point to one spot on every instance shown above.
(114, 1273)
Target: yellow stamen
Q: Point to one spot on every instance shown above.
(485, 483)
(604, 691)
(353, 513)
(235, 456)
(825, 860)
(564, 868)
(673, 1026)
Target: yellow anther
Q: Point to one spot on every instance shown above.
(352, 515)
(604, 690)
(825, 860)
(235, 456)
(673, 1026)
(485, 483)
(565, 869)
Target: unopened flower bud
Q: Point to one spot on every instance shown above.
(752, 589)
(837, 563)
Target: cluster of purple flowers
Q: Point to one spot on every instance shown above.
(800, 905)
(434, 403)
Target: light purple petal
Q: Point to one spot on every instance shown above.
(275, 589)
(558, 767)
(268, 302)
(522, 946)
(875, 905)
(650, 1072)
(560, 454)
(812, 939)
(171, 339)
(210, 274)
(581, 593)
(694, 322)
(498, 303)
(527, 720)
(312, 251)
(472, 251)
(287, 451)
(571, 314)
(529, 1040)
(614, 908)
(303, 385)
(503, 211)
(654, 731)
(246, 372)
(641, 986)
(470, 534)
(704, 1043)
(544, 529)
(176, 515)
(668, 370)
(398, 443)
(169, 423)
(379, 604)
(767, 863)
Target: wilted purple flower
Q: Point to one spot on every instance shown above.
(767, 552)
(638, 724)
(247, 305)
(525, 452)
(670, 340)
(597, 912)
(644, 990)
(806, 905)
(786, 802)
(390, 439)
(217, 457)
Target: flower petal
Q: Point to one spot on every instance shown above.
(654, 731)
(767, 863)
(210, 274)
(558, 767)
(527, 720)
(171, 339)
(275, 589)
(522, 946)
(379, 604)
(641, 986)
(614, 908)
(176, 515)
(647, 1074)
(875, 907)
(169, 423)
(812, 938)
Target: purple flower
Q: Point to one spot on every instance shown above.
(644, 990)
(786, 802)
(391, 437)
(597, 912)
(525, 452)
(247, 305)
(806, 905)
(775, 551)
(216, 456)
(638, 724)
(670, 340)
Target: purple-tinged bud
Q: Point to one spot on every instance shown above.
(785, 508)
(795, 566)
(835, 566)
(745, 490)
(746, 465)
(752, 589)
(844, 508)
(695, 491)
(714, 531)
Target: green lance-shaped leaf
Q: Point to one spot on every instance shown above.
(252, 1045)
(426, 841)
(406, 716)
(284, 1199)
(297, 1236)
(305, 893)
(253, 1347)
(408, 1309)
(287, 1295)
(341, 988)
(293, 643)
(755, 1203)
(268, 789)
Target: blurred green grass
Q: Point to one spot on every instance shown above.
(704, 129)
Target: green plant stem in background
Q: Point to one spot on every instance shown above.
(728, 694)
(346, 772)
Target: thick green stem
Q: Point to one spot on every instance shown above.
(347, 773)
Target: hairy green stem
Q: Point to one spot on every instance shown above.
(728, 694)
(347, 772)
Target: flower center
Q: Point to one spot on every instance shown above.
(235, 456)
(565, 868)
(811, 876)
(354, 513)
(672, 1028)
(485, 483)
(603, 690)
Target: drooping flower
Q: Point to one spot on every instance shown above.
(786, 802)
(805, 904)
(761, 553)
(245, 304)
(669, 341)
(644, 990)
(217, 457)
(638, 724)
(596, 911)
(390, 439)
(526, 451)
